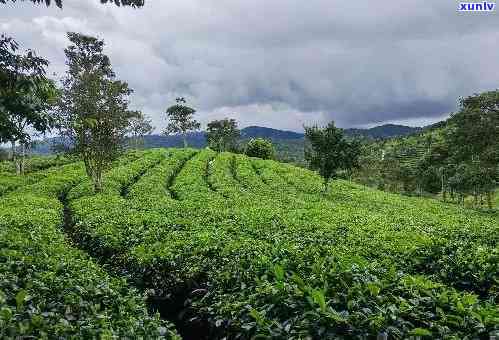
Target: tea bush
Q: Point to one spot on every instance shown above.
(38, 169)
(249, 247)
(36, 163)
(48, 288)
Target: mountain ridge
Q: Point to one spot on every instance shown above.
(198, 139)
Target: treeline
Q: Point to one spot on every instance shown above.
(89, 110)
(456, 159)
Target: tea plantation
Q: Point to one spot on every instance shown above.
(217, 245)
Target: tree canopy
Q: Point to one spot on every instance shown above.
(473, 139)
(328, 151)
(222, 135)
(93, 113)
(139, 126)
(261, 148)
(457, 158)
(26, 95)
(475, 128)
(181, 119)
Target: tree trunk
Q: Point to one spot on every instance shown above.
(88, 168)
(443, 188)
(22, 159)
(15, 159)
(94, 174)
(489, 200)
(185, 139)
(97, 179)
(13, 152)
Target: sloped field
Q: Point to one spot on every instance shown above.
(37, 168)
(49, 288)
(228, 246)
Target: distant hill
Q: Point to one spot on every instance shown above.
(384, 131)
(377, 132)
(265, 132)
(198, 139)
(281, 137)
(194, 139)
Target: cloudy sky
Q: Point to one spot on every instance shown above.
(281, 63)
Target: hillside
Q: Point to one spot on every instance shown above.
(377, 132)
(268, 133)
(384, 131)
(230, 246)
(388, 162)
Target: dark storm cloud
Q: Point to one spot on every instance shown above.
(282, 63)
(410, 109)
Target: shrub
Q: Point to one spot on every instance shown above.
(260, 148)
(48, 289)
(250, 247)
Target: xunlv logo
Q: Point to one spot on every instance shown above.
(477, 6)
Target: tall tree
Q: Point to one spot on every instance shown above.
(474, 139)
(181, 119)
(139, 126)
(26, 96)
(222, 135)
(328, 151)
(58, 3)
(475, 128)
(93, 114)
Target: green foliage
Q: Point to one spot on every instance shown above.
(251, 247)
(21, 76)
(37, 168)
(37, 163)
(457, 159)
(329, 151)
(222, 135)
(473, 140)
(26, 96)
(181, 119)
(290, 151)
(50, 289)
(261, 148)
(93, 114)
(475, 128)
(139, 126)
(115, 180)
